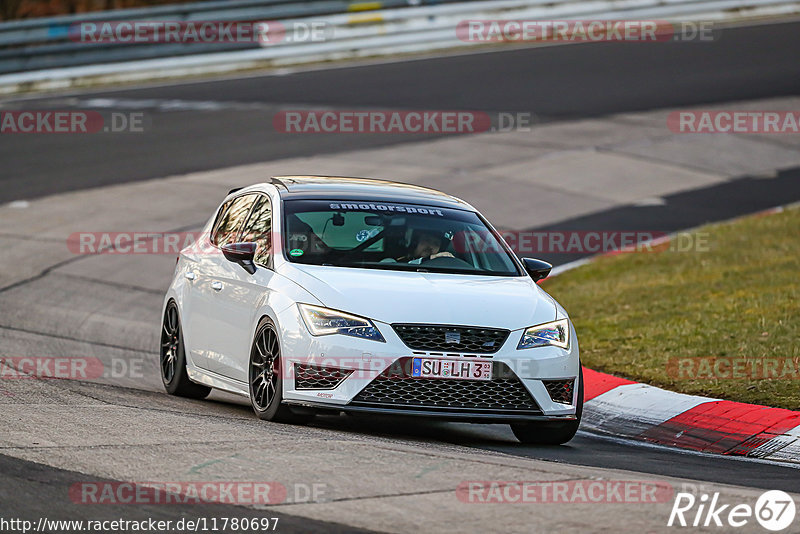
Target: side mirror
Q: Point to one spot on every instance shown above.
(241, 253)
(538, 269)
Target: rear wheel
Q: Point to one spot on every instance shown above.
(551, 433)
(173, 358)
(265, 377)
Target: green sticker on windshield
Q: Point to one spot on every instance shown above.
(295, 252)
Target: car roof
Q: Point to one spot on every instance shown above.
(369, 189)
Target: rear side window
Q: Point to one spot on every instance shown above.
(259, 230)
(230, 220)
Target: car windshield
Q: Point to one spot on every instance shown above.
(393, 236)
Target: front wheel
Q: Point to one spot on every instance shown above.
(266, 379)
(551, 433)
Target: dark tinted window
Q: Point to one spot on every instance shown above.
(259, 230)
(222, 211)
(230, 220)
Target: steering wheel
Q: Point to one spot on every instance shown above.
(447, 261)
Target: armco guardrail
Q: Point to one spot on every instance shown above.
(427, 27)
(49, 42)
(32, 60)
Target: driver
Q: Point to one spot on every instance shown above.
(425, 245)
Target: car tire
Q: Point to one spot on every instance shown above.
(265, 377)
(172, 359)
(551, 433)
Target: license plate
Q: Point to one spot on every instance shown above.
(457, 369)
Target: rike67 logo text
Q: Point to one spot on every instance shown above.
(774, 510)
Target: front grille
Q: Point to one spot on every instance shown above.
(451, 338)
(396, 388)
(314, 377)
(560, 390)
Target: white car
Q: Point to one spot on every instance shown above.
(313, 294)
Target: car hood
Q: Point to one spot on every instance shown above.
(412, 297)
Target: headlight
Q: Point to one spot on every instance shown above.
(322, 321)
(554, 334)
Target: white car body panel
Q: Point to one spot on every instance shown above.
(433, 298)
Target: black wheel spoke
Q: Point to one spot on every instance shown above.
(168, 366)
(170, 344)
(260, 393)
(263, 376)
(264, 348)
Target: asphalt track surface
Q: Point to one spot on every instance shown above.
(688, 209)
(29, 490)
(553, 83)
(586, 449)
(557, 83)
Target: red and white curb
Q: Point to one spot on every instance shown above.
(625, 408)
(629, 409)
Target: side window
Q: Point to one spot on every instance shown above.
(259, 230)
(223, 210)
(232, 215)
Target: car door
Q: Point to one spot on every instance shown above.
(210, 316)
(243, 293)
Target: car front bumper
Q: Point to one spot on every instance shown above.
(342, 369)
